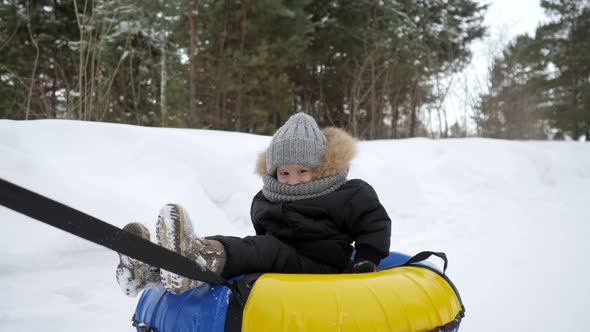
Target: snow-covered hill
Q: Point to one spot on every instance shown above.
(513, 217)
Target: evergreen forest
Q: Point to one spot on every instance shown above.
(372, 67)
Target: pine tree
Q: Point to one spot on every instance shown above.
(37, 60)
(566, 44)
(510, 110)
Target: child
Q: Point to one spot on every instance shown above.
(306, 217)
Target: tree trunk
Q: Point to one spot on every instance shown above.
(440, 109)
(240, 78)
(163, 83)
(92, 96)
(373, 95)
(80, 63)
(381, 106)
(220, 89)
(54, 80)
(445, 117)
(34, 71)
(574, 80)
(192, 95)
(372, 103)
(394, 121)
(413, 108)
(322, 111)
(393, 100)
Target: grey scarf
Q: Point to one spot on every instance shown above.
(280, 193)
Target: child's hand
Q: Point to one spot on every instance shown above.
(364, 267)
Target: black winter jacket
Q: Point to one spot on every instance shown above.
(324, 228)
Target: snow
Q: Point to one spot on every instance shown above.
(513, 217)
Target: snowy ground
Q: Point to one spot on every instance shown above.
(513, 217)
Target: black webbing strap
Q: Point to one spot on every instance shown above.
(92, 229)
(240, 289)
(424, 255)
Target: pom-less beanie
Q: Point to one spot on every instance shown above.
(299, 141)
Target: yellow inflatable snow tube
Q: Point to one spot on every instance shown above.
(406, 298)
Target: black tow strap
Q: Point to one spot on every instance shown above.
(92, 229)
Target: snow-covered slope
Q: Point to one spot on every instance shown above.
(513, 217)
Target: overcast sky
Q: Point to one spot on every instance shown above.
(505, 20)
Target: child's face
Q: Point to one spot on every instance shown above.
(293, 174)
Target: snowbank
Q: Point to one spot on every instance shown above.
(513, 217)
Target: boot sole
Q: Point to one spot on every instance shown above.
(131, 285)
(170, 233)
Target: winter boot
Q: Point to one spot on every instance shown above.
(133, 275)
(174, 232)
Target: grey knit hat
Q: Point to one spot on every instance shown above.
(299, 141)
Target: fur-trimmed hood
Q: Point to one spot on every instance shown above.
(340, 149)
